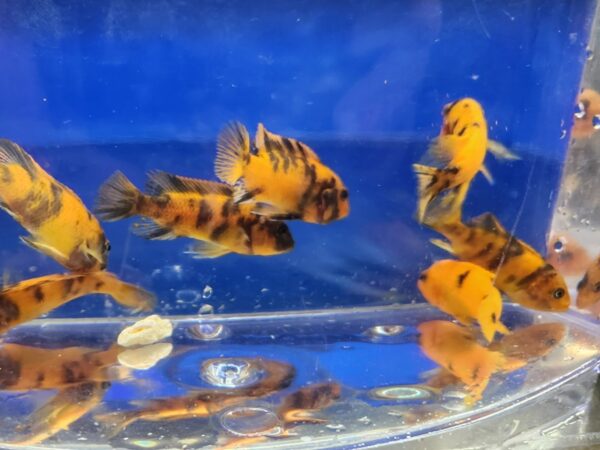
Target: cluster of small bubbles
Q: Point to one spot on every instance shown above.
(187, 295)
(207, 292)
(579, 111)
(596, 122)
(251, 422)
(230, 372)
(386, 330)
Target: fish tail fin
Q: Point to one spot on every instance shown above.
(427, 178)
(118, 198)
(489, 314)
(12, 153)
(125, 294)
(115, 422)
(233, 145)
(447, 209)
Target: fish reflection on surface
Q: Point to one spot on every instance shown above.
(463, 360)
(202, 403)
(32, 298)
(567, 255)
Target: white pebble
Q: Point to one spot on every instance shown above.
(144, 358)
(149, 330)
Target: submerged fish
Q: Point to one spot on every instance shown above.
(567, 255)
(588, 289)
(521, 272)
(456, 350)
(203, 210)
(25, 368)
(30, 299)
(457, 155)
(285, 177)
(68, 406)
(202, 403)
(586, 118)
(466, 292)
(60, 225)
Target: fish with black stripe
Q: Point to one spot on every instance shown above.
(32, 298)
(58, 221)
(466, 292)
(456, 155)
(284, 177)
(176, 206)
(520, 271)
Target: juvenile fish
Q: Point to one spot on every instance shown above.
(30, 299)
(285, 178)
(60, 225)
(466, 292)
(203, 210)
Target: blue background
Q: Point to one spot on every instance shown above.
(94, 86)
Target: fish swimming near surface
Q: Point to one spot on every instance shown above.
(521, 272)
(68, 406)
(588, 289)
(284, 177)
(457, 155)
(24, 368)
(178, 206)
(466, 292)
(202, 403)
(455, 349)
(59, 224)
(30, 299)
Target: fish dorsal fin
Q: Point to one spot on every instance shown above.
(206, 250)
(489, 222)
(271, 142)
(160, 182)
(11, 153)
(233, 145)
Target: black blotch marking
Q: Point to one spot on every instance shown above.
(541, 271)
(205, 214)
(41, 376)
(450, 367)
(10, 370)
(9, 311)
(68, 285)
(485, 250)
(475, 373)
(218, 231)
(583, 282)
(511, 278)
(494, 318)
(462, 277)
(596, 287)
(38, 294)
(72, 373)
(462, 131)
(512, 249)
(423, 276)
(98, 284)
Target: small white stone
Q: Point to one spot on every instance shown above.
(149, 330)
(144, 358)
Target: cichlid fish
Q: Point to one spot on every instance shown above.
(203, 210)
(24, 368)
(588, 289)
(69, 405)
(466, 292)
(30, 299)
(457, 155)
(521, 272)
(456, 350)
(60, 225)
(202, 403)
(567, 255)
(285, 177)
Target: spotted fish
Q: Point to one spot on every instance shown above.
(60, 225)
(285, 178)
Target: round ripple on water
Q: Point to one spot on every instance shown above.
(406, 392)
(251, 421)
(230, 372)
(386, 330)
(208, 331)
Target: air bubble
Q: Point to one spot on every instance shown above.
(230, 372)
(206, 309)
(579, 111)
(596, 122)
(187, 295)
(251, 422)
(402, 392)
(386, 330)
(559, 246)
(207, 292)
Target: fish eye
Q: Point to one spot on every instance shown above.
(558, 293)
(344, 194)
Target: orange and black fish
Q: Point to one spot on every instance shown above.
(30, 299)
(588, 289)
(521, 272)
(204, 210)
(60, 225)
(285, 177)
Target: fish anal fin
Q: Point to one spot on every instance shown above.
(486, 173)
(444, 245)
(426, 178)
(148, 229)
(160, 182)
(207, 250)
(233, 144)
(500, 151)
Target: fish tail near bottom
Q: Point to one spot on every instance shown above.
(489, 317)
(125, 294)
(118, 198)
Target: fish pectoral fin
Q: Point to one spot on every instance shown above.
(233, 144)
(206, 250)
(273, 212)
(241, 194)
(438, 154)
(500, 151)
(43, 248)
(486, 173)
(149, 229)
(444, 245)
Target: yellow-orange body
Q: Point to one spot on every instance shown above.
(283, 176)
(588, 289)
(466, 292)
(456, 350)
(59, 223)
(198, 209)
(30, 299)
(521, 272)
(459, 152)
(24, 368)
